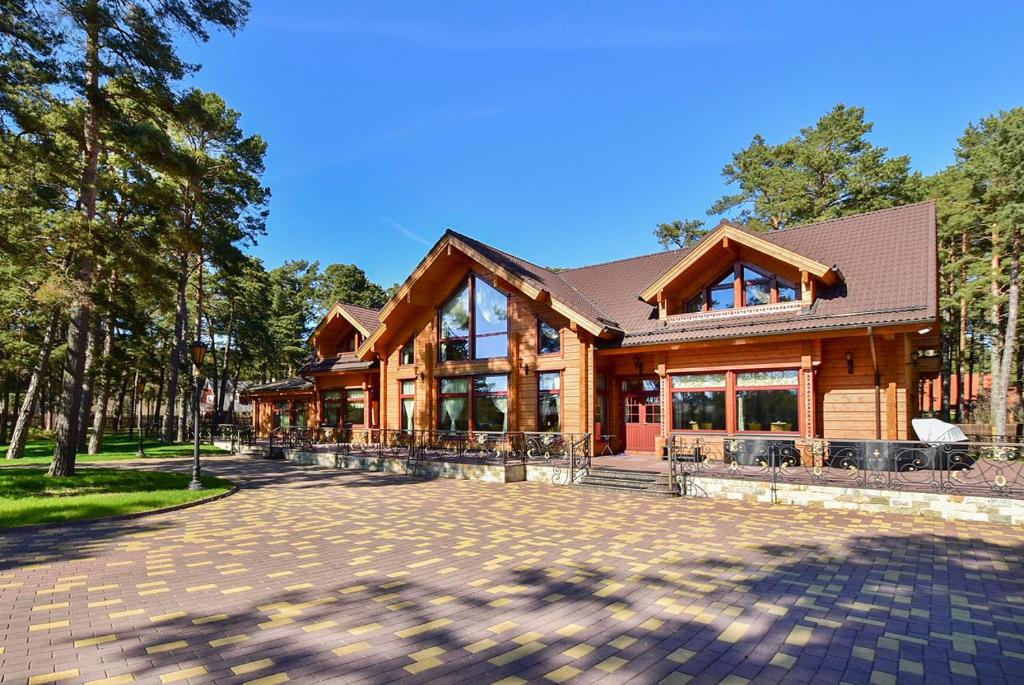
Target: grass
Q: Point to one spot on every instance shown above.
(116, 447)
(28, 496)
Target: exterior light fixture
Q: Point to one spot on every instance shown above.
(525, 368)
(849, 362)
(197, 350)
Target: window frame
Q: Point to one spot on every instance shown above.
(732, 390)
(540, 337)
(773, 280)
(323, 406)
(471, 394)
(402, 396)
(471, 338)
(724, 389)
(737, 389)
(541, 394)
(410, 345)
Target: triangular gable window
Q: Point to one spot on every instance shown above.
(742, 285)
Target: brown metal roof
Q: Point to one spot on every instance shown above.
(367, 318)
(888, 260)
(285, 385)
(346, 361)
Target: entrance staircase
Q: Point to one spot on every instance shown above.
(640, 483)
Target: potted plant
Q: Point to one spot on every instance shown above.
(778, 426)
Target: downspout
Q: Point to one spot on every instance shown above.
(878, 384)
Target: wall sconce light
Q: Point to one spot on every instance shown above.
(525, 368)
(849, 362)
(639, 364)
(419, 373)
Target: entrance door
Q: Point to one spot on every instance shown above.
(642, 413)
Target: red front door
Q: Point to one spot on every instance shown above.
(642, 413)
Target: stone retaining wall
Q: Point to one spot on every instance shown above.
(932, 505)
(490, 473)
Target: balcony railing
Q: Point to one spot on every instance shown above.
(964, 468)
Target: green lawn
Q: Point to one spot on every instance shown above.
(28, 496)
(116, 446)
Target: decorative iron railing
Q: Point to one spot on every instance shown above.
(963, 468)
(561, 449)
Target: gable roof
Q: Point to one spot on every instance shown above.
(363, 319)
(888, 259)
(726, 231)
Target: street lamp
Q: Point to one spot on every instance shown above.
(140, 386)
(197, 350)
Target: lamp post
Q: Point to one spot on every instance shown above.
(198, 352)
(140, 386)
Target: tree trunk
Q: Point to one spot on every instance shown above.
(1007, 345)
(183, 409)
(64, 453)
(20, 434)
(91, 372)
(5, 390)
(160, 392)
(103, 396)
(224, 364)
(122, 391)
(177, 351)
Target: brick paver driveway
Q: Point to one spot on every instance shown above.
(315, 574)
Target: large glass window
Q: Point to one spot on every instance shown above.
(407, 401)
(453, 414)
(549, 387)
(601, 411)
(767, 401)
(490, 403)
(282, 415)
(698, 402)
(330, 403)
(473, 403)
(755, 286)
(480, 332)
(355, 405)
(550, 339)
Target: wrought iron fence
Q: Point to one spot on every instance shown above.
(574, 449)
(962, 468)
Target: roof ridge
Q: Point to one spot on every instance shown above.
(556, 274)
(624, 259)
(838, 218)
(357, 306)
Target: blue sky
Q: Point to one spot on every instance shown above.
(564, 132)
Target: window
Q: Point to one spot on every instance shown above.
(453, 414)
(698, 402)
(473, 403)
(330, 409)
(407, 355)
(300, 411)
(407, 402)
(282, 415)
(355, 404)
(767, 401)
(490, 403)
(755, 288)
(549, 338)
(601, 411)
(480, 332)
(347, 344)
(549, 390)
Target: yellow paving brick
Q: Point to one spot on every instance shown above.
(560, 675)
(351, 649)
(48, 626)
(166, 647)
(251, 666)
(681, 656)
(611, 664)
(531, 636)
(423, 665)
(200, 588)
(503, 626)
(423, 628)
(799, 636)
(209, 619)
(236, 590)
(516, 654)
(322, 625)
(442, 600)
(43, 678)
(368, 628)
(570, 630)
(183, 674)
(480, 645)
(100, 640)
(55, 605)
(734, 632)
(230, 640)
(579, 651)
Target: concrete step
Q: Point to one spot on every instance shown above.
(642, 483)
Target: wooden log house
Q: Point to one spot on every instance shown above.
(824, 330)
